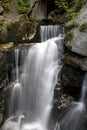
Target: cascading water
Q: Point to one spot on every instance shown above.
(16, 62)
(74, 117)
(33, 92)
(50, 31)
(84, 89)
(15, 100)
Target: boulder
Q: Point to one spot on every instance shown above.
(78, 42)
(76, 61)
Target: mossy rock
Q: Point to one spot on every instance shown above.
(17, 32)
(71, 24)
(68, 37)
(83, 27)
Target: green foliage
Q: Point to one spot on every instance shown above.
(77, 5)
(6, 5)
(9, 26)
(71, 8)
(61, 4)
(22, 6)
(83, 26)
(71, 24)
(68, 37)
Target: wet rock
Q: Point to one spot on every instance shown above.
(76, 61)
(1, 118)
(6, 59)
(71, 77)
(4, 65)
(65, 101)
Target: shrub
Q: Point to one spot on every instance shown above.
(71, 8)
(22, 6)
(83, 26)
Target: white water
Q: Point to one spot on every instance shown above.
(32, 94)
(16, 64)
(50, 31)
(84, 89)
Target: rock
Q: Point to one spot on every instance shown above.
(82, 17)
(76, 61)
(17, 31)
(4, 65)
(1, 10)
(23, 31)
(71, 77)
(37, 10)
(55, 17)
(1, 118)
(78, 43)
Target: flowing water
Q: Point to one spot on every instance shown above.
(75, 116)
(33, 91)
(50, 31)
(84, 89)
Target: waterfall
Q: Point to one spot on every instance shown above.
(32, 94)
(16, 64)
(84, 89)
(16, 95)
(50, 31)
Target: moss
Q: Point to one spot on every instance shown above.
(61, 5)
(9, 26)
(6, 5)
(83, 26)
(71, 24)
(68, 37)
(22, 6)
(2, 20)
(3, 29)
